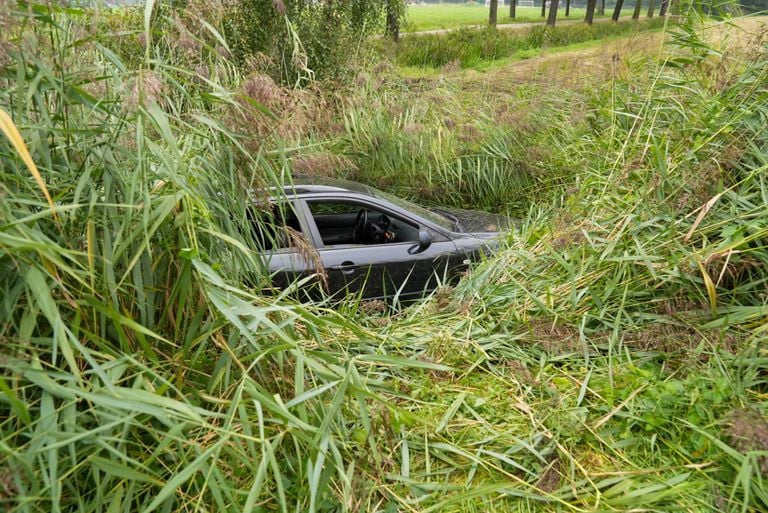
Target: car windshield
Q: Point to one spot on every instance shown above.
(429, 215)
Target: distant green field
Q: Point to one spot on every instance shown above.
(435, 17)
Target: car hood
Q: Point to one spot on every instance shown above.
(473, 221)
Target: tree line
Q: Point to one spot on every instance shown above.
(590, 14)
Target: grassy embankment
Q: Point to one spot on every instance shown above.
(611, 358)
(441, 141)
(440, 17)
(474, 48)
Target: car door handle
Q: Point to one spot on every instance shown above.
(347, 267)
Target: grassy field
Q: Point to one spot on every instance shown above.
(436, 17)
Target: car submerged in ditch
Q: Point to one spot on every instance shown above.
(355, 239)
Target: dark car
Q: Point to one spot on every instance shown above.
(357, 239)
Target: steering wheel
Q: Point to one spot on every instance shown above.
(360, 223)
(379, 228)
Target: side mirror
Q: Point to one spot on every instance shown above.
(425, 241)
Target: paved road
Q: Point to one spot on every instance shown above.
(506, 26)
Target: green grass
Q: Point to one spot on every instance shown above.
(419, 72)
(437, 17)
(532, 53)
(611, 356)
(471, 48)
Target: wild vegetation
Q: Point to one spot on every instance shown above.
(610, 358)
(469, 47)
(287, 35)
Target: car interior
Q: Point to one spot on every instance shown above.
(342, 223)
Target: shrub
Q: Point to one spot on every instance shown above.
(296, 40)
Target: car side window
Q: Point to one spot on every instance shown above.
(277, 228)
(349, 222)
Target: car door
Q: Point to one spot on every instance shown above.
(386, 270)
(286, 245)
(377, 270)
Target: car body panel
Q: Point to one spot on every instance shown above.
(384, 272)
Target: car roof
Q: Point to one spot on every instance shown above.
(314, 187)
(303, 185)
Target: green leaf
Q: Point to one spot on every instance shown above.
(122, 471)
(183, 476)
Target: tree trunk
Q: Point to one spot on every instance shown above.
(651, 7)
(638, 7)
(601, 11)
(567, 8)
(552, 13)
(663, 10)
(494, 13)
(543, 8)
(393, 21)
(590, 11)
(512, 9)
(617, 10)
